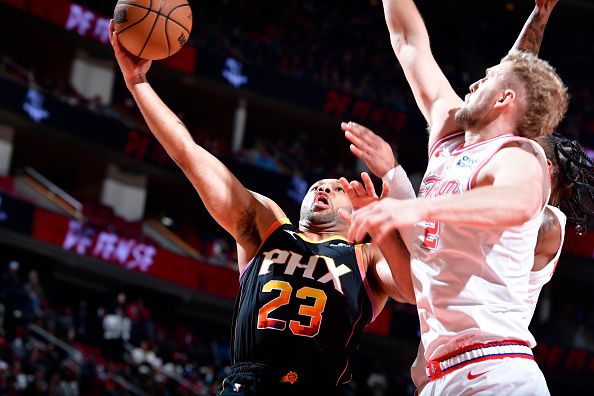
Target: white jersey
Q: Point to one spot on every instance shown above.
(470, 283)
(540, 278)
(536, 282)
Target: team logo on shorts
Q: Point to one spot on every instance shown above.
(291, 377)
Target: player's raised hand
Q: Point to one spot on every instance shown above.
(371, 148)
(363, 194)
(546, 5)
(134, 69)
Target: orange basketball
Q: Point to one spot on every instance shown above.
(152, 29)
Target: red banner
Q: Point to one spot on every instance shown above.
(55, 11)
(88, 23)
(578, 362)
(132, 254)
(577, 245)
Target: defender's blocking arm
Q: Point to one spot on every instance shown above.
(433, 93)
(503, 197)
(530, 37)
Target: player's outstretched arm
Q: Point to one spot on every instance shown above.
(379, 158)
(392, 269)
(244, 214)
(433, 93)
(508, 198)
(530, 37)
(387, 263)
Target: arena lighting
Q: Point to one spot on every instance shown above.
(33, 105)
(232, 73)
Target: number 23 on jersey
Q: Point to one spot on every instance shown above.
(265, 321)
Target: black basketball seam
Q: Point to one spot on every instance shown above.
(167, 38)
(166, 35)
(176, 22)
(138, 21)
(148, 36)
(151, 10)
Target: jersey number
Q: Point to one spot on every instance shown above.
(297, 328)
(431, 235)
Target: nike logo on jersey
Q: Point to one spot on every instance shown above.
(474, 376)
(292, 233)
(293, 260)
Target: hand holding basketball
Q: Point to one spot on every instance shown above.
(153, 29)
(134, 69)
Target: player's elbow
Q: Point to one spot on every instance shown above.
(184, 155)
(408, 46)
(404, 291)
(403, 48)
(408, 297)
(405, 296)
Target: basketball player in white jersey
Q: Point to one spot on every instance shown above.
(572, 174)
(473, 231)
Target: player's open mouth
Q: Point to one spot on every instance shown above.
(321, 201)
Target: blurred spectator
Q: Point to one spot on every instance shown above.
(35, 292)
(116, 330)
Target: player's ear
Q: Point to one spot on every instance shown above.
(507, 97)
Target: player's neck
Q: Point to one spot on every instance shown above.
(487, 132)
(314, 233)
(496, 126)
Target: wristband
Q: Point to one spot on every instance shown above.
(400, 185)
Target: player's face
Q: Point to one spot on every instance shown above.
(481, 99)
(321, 203)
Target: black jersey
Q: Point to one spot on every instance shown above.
(301, 308)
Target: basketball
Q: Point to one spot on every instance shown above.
(153, 29)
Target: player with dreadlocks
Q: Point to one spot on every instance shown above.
(572, 178)
(572, 193)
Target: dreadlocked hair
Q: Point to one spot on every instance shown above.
(573, 176)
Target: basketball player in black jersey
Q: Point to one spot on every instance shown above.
(306, 293)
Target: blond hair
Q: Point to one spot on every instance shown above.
(546, 97)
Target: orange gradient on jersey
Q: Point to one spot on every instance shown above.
(315, 312)
(265, 322)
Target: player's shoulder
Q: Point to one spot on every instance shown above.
(550, 233)
(443, 122)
